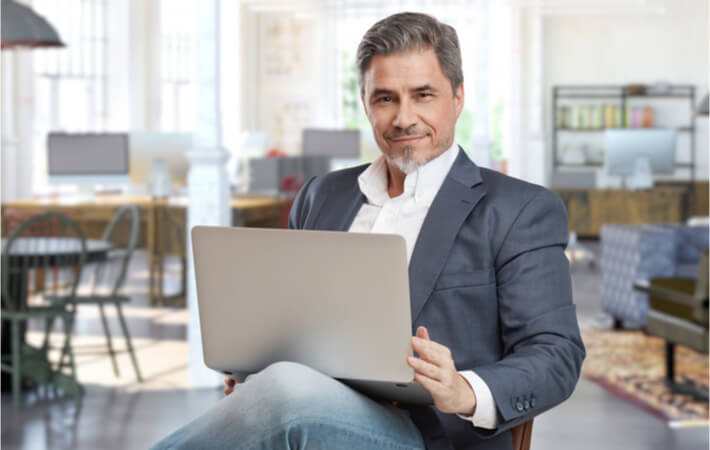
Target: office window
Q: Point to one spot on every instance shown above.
(70, 83)
(354, 17)
(177, 104)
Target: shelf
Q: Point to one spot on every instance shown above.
(686, 96)
(578, 165)
(619, 92)
(620, 97)
(588, 130)
(583, 165)
(617, 96)
(582, 130)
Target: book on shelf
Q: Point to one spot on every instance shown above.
(590, 117)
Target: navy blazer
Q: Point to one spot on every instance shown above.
(489, 279)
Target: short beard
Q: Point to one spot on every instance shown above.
(404, 163)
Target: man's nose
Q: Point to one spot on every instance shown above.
(406, 116)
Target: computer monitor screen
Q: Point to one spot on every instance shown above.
(625, 146)
(333, 143)
(148, 146)
(97, 158)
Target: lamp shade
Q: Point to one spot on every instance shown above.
(23, 27)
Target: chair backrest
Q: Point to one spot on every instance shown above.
(122, 231)
(56, 243)
(522, 434)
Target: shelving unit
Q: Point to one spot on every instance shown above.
(619, 96)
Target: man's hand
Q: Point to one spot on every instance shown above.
(436, 372)
(229, 384)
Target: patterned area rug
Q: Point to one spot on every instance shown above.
(631, 365)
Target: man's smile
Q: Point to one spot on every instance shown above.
(409, 140)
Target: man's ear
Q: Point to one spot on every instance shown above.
(459, 100)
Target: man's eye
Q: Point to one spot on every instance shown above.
(425, 94)
(385, 99)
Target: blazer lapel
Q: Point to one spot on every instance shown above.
(462, 189)
(341, 207)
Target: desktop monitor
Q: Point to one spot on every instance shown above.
(337, 144)
(626, 148)
(88, 158)
(147, 147)
(267, 175)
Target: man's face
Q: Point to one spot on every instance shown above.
(411, 107)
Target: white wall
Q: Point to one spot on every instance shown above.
(631, 48)
(283, 105)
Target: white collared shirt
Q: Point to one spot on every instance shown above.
(404, 215)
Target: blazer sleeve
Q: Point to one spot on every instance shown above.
(542, 347)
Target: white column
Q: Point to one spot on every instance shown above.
(481, 151)
(514, 97)
(17, 124)
(231, 75)
(329, 108)
(145, 65)
(535, 157)
(208, 184)
(9, 142)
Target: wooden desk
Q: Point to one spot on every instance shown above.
(589, 209)
(159, 218)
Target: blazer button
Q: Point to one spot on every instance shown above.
(532, 402)
(519, 406)
(527, 405)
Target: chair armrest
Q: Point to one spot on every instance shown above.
(676, 296)
(522, 435)
(659, 288)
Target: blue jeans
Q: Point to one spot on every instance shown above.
(291, 406)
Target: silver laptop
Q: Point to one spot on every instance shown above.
(336, 302)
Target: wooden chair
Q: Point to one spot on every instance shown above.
(13, 218)
(20, 256)
(109, 276)
(522, 435)
(679, 314)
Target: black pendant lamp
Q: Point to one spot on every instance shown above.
(22, 27)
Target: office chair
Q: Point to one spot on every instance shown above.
(522, 435)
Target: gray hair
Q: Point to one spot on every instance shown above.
(409, 31)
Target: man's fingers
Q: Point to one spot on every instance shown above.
(423, 333)
(425, 368)
(434, 387)
(229, 384)
(432, 351)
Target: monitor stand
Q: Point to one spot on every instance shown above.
(86, 194)
(642, 177)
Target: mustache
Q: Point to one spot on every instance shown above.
(402, 132)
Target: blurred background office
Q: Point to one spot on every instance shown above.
(137, 119)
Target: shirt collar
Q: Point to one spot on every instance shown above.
(423, 184)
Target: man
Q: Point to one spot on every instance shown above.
(496, 331)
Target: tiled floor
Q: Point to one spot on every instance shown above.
(118, 413)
